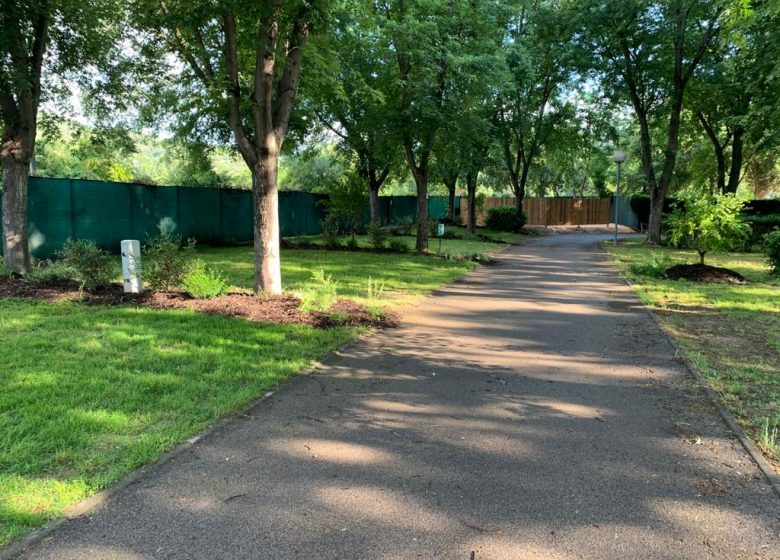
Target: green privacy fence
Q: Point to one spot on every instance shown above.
(107, 212)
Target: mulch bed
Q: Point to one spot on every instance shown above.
(704, 273)
(269, 309)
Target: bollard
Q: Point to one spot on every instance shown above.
(131, 266)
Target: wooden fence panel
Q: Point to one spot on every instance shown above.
(550, 211)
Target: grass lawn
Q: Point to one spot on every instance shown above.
(91, 393)
(730, 332)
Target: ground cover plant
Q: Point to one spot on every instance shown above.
(731, 332)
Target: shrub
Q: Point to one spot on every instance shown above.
(709, 224)
(402, 227)
(505, 218)
(352, 243)
(203, 282)
(3, 269)
(50, 272)
(320, 293)
(655, 267)
(330, 232)
(377, 235)
(398, 246)
(89, 264)
(772, 250)
(761, 225)
(166, 261)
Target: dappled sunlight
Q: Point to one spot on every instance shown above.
(331, 451)
(381, 507)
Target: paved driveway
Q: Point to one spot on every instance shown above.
(531, 411)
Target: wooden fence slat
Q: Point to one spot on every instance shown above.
(550, 211)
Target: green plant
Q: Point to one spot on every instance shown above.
(347, 201)
(203, 282)
(166, 260)
(90, 264)
(50, 272)
(709, 224)
(377, 235)
(654, 267)
(330, 232)
(320, 293)
(402, 227)
(375, 289)
(772, 250)
(352, 243)
(398, 246)
(761, 225)
(769, 438)
(505, 218)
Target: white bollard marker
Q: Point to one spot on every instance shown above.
(131, 266)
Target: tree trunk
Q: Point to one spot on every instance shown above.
(16, 172)
(471, 188)
(737, 150)
(421, 179)
(718, 148)
(451, 183)
(373, 202)
(265, 194)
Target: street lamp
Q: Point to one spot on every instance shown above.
(618, 157)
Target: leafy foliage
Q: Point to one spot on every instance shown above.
(204, 282)
(654, 267)
(330, 232)
(91, 265)
(377, 235)
(709, 224)
(772, 250)
(505, 218)
(320, 293)
(166, 261)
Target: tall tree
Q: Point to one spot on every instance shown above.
(347, 92)
(538, 55)
(40, 42)
(244, 61)
(648, 52)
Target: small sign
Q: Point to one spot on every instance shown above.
(441, 230)
(131, 265)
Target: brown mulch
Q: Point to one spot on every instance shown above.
(268, 309)
(704, 273)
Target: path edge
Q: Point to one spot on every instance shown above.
(92, 503)
(755, 453)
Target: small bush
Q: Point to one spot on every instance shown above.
(352, 243)
(330, 232)
(377, 235)
(656, 267)
(91, 265)
(709, 224)
(772, 250)
(402, 227)
(50, 272)
(203, 282)
(166, 261)
(760, 226)
(320, 293)
(398, 246)
(4, 272)
(375, 290)
(505, 218)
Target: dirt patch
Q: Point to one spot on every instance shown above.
(268, 309)
(704, 273)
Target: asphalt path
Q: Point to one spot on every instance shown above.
(532, 410)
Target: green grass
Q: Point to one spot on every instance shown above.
(91, 393)
(730, 332)
(405, 277)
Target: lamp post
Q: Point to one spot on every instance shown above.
(618, 157)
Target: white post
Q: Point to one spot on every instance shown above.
(131, 266)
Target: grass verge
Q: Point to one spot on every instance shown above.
(91, 393)
(731, 333)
